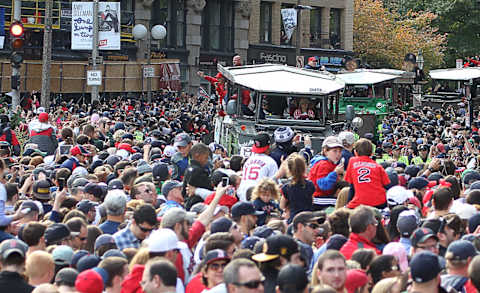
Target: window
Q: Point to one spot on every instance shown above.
(335, 33)
(217, 26)
(171, 14)
(266, 22)
(283, 36)
(316, 27)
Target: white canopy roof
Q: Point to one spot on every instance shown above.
(274, 78)
(456, 73)
(365, 77)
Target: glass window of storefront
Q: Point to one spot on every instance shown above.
(335, 28)
(266, 22)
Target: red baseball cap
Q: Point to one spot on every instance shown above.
(312, 59)
(79, 150)
(43, 117)
(89, 281)
(126, 146)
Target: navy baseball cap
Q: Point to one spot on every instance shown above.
(421, 235)
(424, 267)
(460, 250)
(243, 208)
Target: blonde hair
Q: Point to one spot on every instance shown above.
(266, 185)
(39, 259)
(342, 198)
(141, 257)
(296, 168)
(385, 285)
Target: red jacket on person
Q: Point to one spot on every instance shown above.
(355, 242)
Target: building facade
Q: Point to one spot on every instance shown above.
(201, 33)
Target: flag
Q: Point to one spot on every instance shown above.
(202, 93)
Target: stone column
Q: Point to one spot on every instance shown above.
(242, 15)
(346, 19)
(143, 15)
(276, 22)
(325, 33)
(254, 22)
(194, 41)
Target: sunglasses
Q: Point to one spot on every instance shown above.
(313, 226)
(145, 230)
(217, 266)
(253, 284)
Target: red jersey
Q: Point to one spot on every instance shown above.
(368, 179)
(322, 169)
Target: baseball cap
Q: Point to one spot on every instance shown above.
(115, 202)
(176, 215)
(56, 232)
(87, 262)
(114, 252)
(332, 142)
(424, 267)
(115, 184)
(397, 249)
(417, 183)
(355, 279)
(249, 242)
(89, 281)
(43, 117)
(85, 205)
(169, 151)
(407, 223)
(182, 140)
(471, 177)
(160, 172)
(283, 134)
(243, 208)
(275, 246)
(346, 137)
(77, 256)
(30, 204)
(62, 255)
(464, 210)
(169, 185)
(214, 255)
(112, 160)
(460, 250)
(66, 276)
(261, 143)
(304, 218)
(79, 183)
(143, 168)
(292, 278)
(41, 189)
(336, 241)
(397, 195)
(79, 150)
(222, 224)
(10, 246)
(103, 240)
(421, 235)
(162, 240)
(263, 231)
(311, 59)
(95, 189)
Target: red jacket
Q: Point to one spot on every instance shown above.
(131, 283)
(195, 285)
(355, 242)
(225, 200)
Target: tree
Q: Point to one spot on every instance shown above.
(458, 19)
(382, 37)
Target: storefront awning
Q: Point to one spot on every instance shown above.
(273, 78)
(365, 77)
(456, 73)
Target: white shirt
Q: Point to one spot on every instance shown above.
(257, 167)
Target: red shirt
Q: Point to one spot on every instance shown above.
(225, 200)
(355, 242)
(320, 170)
(14, 138)
(195, 285)
(368, 179)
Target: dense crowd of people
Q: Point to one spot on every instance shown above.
(132, 196)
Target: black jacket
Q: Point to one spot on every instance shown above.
(13, 282)
(197, 176)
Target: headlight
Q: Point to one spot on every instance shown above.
(357, 122)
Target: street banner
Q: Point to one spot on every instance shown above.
(170, 76)
(108, 25)
(289, 17)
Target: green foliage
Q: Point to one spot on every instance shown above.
(458, 19)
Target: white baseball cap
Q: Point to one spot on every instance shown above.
(346, 137)
(397, 195)
(162, 240)
(332, 142)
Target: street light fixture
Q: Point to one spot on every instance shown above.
(420, 61)
(157, 32)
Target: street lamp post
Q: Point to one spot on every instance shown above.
(157, 32)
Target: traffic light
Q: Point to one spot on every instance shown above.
(17, 36)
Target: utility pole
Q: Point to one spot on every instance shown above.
(149, 62)
(47, 54)
(15, 94)
(95, 48)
